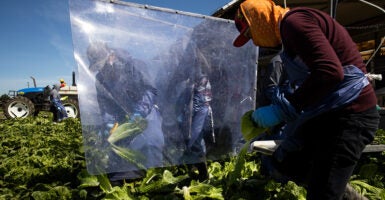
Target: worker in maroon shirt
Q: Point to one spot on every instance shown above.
(331, 115)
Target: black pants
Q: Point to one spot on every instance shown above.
(333, 145)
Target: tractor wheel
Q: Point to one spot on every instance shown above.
(72, 108)
(18, 107)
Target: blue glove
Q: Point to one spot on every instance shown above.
(268, 116)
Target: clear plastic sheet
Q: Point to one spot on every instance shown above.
(170, 84)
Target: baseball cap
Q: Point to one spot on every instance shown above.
(242, 26)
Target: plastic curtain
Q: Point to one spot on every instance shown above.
(156, 87)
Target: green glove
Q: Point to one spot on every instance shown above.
(249, 128)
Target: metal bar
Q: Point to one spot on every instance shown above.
(145, 6)
(269, 146)
(374, 148)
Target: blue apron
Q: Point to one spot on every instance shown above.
(348, 90)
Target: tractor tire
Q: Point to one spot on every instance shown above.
(18, 107)
(72, 108)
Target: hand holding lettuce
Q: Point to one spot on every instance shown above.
(268, 116)
(249, 128)
(127, 130)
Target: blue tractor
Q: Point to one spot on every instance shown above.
(30, 101)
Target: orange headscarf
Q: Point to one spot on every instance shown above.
(263, 17)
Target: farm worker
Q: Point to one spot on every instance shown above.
(124, 91)
(201, 123)
(332, 115)
(59, 110)
(195, 98)
(62, 83)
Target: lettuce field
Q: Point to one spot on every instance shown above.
(42, 160)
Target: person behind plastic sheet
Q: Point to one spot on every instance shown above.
(59, 111)
(62, 83)
(122, 90)
(188, 107)
(331, 116)
(201, 122)
(194, 118)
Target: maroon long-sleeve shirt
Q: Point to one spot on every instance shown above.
(325, 46)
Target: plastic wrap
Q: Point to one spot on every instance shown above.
(161, 76)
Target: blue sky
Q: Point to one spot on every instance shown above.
(35, 39)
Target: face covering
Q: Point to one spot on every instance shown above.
(263, 17)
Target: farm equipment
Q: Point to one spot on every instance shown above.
(30, 101)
